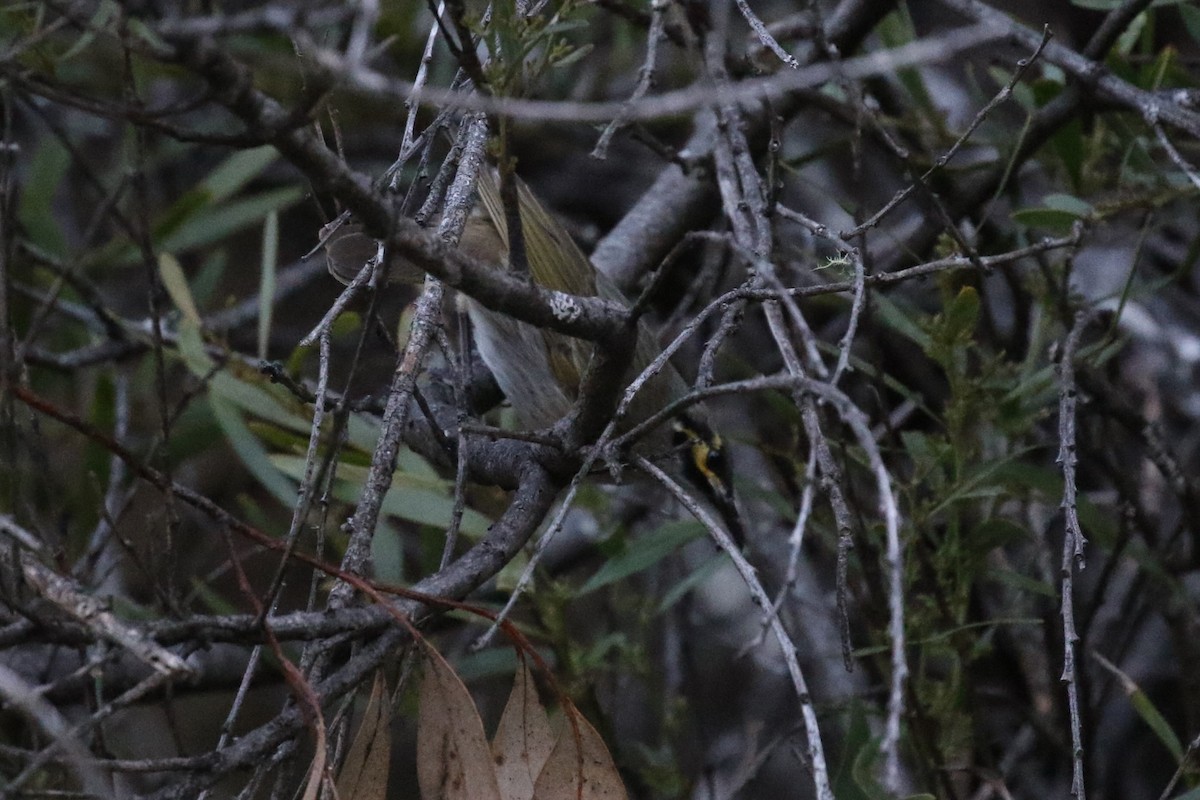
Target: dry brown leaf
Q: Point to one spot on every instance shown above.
(580, 767)
(316, 769)
(453, 759)
(318, 772)
(523, 741)
(364, 773)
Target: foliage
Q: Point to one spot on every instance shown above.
(936, 312)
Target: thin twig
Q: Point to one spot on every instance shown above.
(645, 76)
(1073, 540)
(668, 104)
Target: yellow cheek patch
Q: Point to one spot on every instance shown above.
(704, 463)
(702, 451)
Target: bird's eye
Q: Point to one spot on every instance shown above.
(715, 461)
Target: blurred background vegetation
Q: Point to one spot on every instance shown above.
(944, 216)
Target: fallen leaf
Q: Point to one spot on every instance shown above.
(580, 767)
(364, 773)
(453, 758)
(523, 740)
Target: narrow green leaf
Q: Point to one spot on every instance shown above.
(190, 203)
(105, 11)
(192, 350)
(214, 225)
(176, 284)
(1128, 39)
(900, 320)
(1191, 21)
(1109, 5)
(266, 283)
(1021, 582)
(206, 280)
(857, 736)
(143, 31)
(387, 553)
(411, 497)
(1145, 708)
(362, 433)
(981, 480)
(996, 532)
(644, 552)
(251, 451)
(1157, 723)
(961, 314)
(863, 771)
(572, 56)
(258, 401)
(237, 171)
(697, 576)
(46, 169)
(1069, 203)
(1049, 219)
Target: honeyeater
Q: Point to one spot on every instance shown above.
(540, 370)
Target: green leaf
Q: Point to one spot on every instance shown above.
(198, 219)
(1157, 723)
(223, 385)
(864, 771)
(259, 401)
(176, 284)
(1191, 20)
(46, 169)
(1109, 5)
(986, 479)
(237, 171)
(207, 279)
(857, 737)
(193, 352)
(411, 497)
(362, 433)
(188, 205)
(215, 224)
(961, 315)
(492, 662)
(143, 31)
(644, 552)
(900, 320)
(1022, 583)
(572, 56)
(1145, 709)
(104, 11)
(266, 283)
(1129, 37)
(996, 532)
(387, 554)
(1048, 219)
(251, 452)
(697, 576)
(1069, 203)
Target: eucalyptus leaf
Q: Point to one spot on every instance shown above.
(266, 283)
(251, 452)
(644, 552)
(213, 225)
(411, 497)
(47, 167)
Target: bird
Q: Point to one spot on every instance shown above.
(540, 370)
